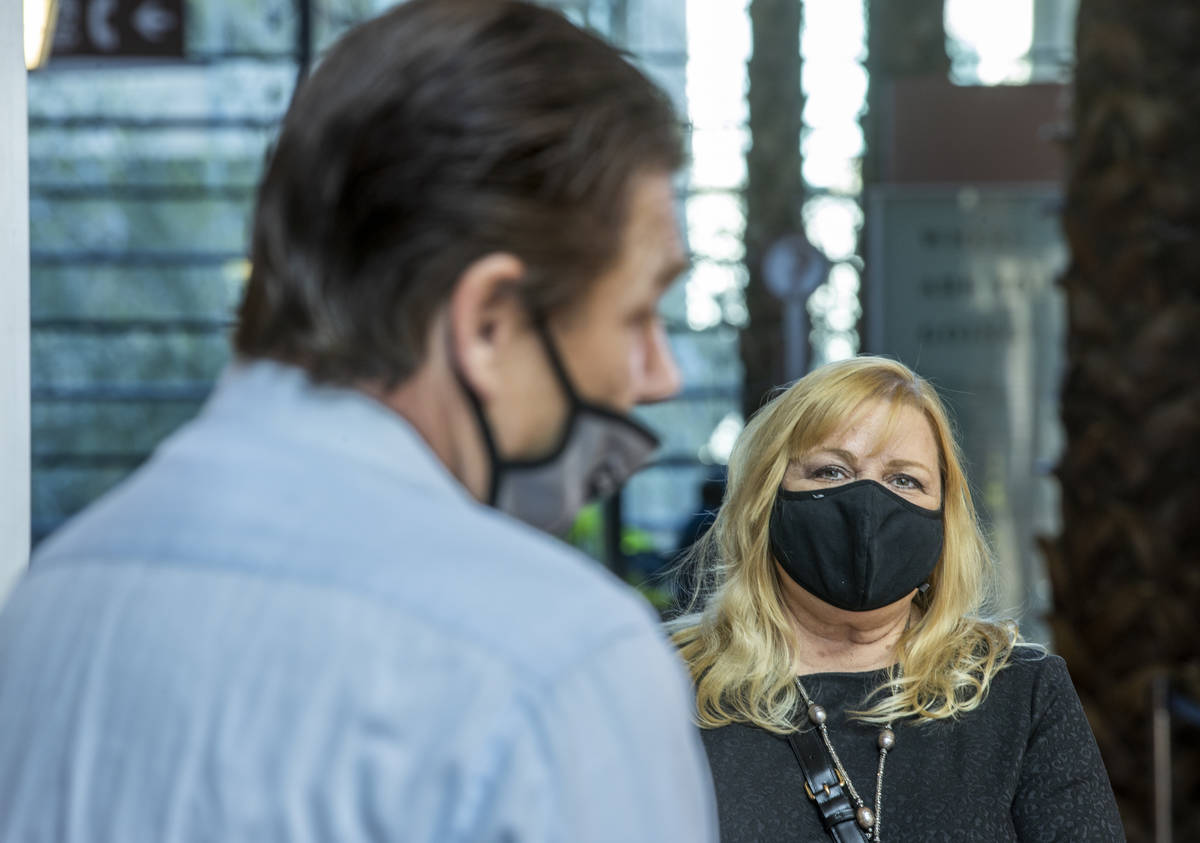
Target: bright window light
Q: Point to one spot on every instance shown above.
(720, 443)
(993, 37)
(39, 31)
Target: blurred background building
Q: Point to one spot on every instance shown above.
(886, 177)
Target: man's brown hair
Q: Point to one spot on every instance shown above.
(428, 137)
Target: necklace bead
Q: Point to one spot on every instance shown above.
(865, 817)
(816, 714)
(887, 739)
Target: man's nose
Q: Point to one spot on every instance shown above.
(660, 377)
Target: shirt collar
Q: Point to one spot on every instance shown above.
(339, 419)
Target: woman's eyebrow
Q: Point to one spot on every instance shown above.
(895, 464)
(840, 453)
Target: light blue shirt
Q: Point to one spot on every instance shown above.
(294, 624)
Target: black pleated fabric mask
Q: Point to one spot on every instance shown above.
(858, 546)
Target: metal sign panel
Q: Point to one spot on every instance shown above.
(119, 28)
(962, 287)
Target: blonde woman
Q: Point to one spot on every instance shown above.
(849, 686)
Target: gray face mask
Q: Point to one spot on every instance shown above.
(597, 451)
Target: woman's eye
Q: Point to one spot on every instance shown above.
(830, 472)
(904, 481)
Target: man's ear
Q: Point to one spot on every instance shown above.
(486, 314)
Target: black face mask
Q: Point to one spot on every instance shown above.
(858, 546)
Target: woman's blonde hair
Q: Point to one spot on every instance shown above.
(740, 647)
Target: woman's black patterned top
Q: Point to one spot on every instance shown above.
(1024, 766)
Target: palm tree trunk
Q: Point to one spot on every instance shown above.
(1126, 568)
(774, 187)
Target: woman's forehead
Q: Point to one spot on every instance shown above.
(876, 427)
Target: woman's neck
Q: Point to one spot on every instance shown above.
(832, 640)
(845, 650)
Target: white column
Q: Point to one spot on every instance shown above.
(14, 301)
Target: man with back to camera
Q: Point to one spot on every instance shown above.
(296, 621)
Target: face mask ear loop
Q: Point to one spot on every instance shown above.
(495, 463)
(556, 363)
(922, 600)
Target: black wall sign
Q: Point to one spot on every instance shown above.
(121, 28)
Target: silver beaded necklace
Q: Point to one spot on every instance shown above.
(869, 820)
